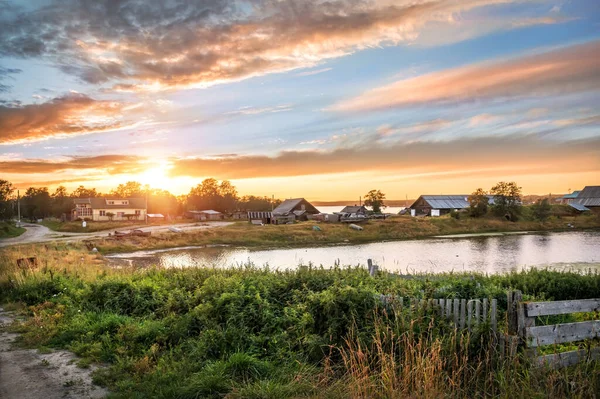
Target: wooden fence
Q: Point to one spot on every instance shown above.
(466, 313)
(522, 320)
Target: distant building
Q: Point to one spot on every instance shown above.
(293, 209)
(240, 215)
(589, 198)
(260, 217)
(568, 198)
(205, 215)
(106, 209)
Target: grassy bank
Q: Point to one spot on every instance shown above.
(302, 234)
(247, 333)
(9, 229)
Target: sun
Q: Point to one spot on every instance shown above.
(157, 177)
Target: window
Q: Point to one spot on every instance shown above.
(120, 214)
(138, 212)
(111, 202)
(102, 213)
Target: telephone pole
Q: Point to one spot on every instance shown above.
(18, 209)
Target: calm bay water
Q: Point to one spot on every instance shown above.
(494, 254)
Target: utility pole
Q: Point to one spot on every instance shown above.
(359, 200)
(146, 213)
(272, 201)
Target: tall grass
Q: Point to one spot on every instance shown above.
(253, 333)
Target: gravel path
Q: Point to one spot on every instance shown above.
(28, 374)
(39, 233)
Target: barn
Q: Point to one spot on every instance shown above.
(293, 209)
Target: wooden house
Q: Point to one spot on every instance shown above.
(205, 215)
(588, 198)
(356, 209)
(291, 210)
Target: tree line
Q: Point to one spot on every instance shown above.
(40, 202)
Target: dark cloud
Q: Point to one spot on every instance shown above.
(5, 74)
(153, 44)
(525, 153)
(72, 114)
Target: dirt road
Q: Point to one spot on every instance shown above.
(28, 374)
(39, 233)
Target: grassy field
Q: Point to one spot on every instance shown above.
(249, 333)
(8, 229)
(302, 234)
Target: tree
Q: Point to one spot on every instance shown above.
(82, 192)
(6, 209)
(374, 199)
(130, 189)
(541, 209)
(37, 202)
(211, 195)
(507, 200)
(61, 202)
(478, 203)
(110, 215)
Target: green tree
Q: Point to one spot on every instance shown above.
(478, 203)
(6, 208)
(210, 194)
(374, 199)
(541, 209)
(37, 202)
(61, 202)
(507, 200)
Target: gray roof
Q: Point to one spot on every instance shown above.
(287, 206)
(589, 196)
(450, 201)
(101, 203)
(579, 207)
(353, 209)
(574, 194)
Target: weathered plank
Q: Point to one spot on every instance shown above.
(442, 304)
(449, 308)
(463, 305)
(456, 302)
(469, 314)
(477, 311)
(562, 307)
(567, 359)
(494, 315)
(561, 333)
(485, 309)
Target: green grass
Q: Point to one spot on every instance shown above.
(254, 333)
(8, 229)
(76, 226)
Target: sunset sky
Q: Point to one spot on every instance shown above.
(318, 99)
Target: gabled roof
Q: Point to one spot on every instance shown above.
(589, 196)
(101, 203)
(287, 206)
(449, 201)
(354, 209)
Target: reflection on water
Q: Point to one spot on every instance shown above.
(567, 250)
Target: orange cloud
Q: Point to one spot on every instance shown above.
(515, 153)
(73, 114)
(566, 70)
(111, 164)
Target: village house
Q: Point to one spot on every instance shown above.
(587, 199)
(205, 215)
(568, 198)
(260, 218)
(356, 209)
(293, 209)
(437, 205)
(106, 209)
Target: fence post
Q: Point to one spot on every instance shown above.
(469, 314)
(463, 305)
(514, 298)
(494, 315)
(456, 302)
(477, 311)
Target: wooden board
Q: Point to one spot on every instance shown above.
(561, 333)
(562, 307)
(567, 359)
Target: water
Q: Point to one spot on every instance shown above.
(494, 254)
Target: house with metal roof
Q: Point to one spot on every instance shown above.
(358, 210)
(437, 205)
(589, 197)
(568, 198)
(106, 209)
(293, 209)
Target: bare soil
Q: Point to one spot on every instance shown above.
(28, 374)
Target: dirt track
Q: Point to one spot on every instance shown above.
(28, 374)
(39, 233)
